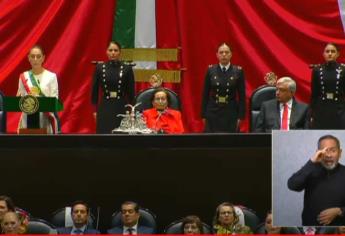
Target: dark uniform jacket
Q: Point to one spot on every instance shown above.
(328, 96)
(223, 101)
(115, 80)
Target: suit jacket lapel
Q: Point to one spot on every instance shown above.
(277, 115)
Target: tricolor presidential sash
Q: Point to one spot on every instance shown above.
(35, 90)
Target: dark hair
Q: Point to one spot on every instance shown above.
(334, 45)
(216, 215)
(328, 136)
(136, 205)
(161, 90)
(38, 47)
(9, 202)
(116, 43)
(80, 202)
(224, 44)
(191, 220)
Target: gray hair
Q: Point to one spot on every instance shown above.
(328, 136)
(291, 83)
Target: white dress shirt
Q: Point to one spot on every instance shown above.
(134, 229)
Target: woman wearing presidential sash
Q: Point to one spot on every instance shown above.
(39, 82)
(113, 88)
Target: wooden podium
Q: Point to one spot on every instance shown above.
(44, 104)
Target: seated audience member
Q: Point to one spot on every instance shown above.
(340, 230)
(192, 225)
(80, 214)
(161, 118)
(226, 221)
(6, 205)
(130, 221)
(284, 112)
(312, 230)
(11, 224)
(269, 228)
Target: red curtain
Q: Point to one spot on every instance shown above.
(280, 36)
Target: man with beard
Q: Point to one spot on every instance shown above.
(80, 215)
(322, 178)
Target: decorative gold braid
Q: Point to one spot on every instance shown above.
(169, 76)
(149, 54)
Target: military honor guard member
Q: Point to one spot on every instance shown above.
(223, 100)
(328, 91)
(115, 80)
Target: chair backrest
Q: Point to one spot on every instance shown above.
(147, 218)
(144, 97)
(39, 226)
(3, 115)
(260, 95)
(285, 230)
(247, 217)
(62, 218)
(327, 230)
(175, 228)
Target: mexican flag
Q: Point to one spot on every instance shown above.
(135, 26)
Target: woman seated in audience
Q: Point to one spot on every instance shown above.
(226, 221)
(11, 224)
(269, 228)
(192, 225)
(161, 118)
(6, 205)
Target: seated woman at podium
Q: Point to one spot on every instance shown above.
(38, 82)
(161, 118)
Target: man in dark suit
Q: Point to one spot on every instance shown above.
(80, 214)
(283, 112)
(130, 216)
